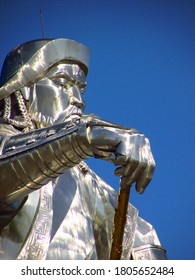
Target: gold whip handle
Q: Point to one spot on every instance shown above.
(119, 223)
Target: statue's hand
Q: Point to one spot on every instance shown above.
(135, 160)
(125, 148)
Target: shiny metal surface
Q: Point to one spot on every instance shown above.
(35, 158)
(43, 143)
(58, 96)
(120, 219)
(149, 252)
(17, 57)
(43, 59)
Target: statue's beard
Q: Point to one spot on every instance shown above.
(69, 114)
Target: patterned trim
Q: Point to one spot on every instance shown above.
(37, 242)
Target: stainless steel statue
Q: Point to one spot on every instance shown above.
(52, 205)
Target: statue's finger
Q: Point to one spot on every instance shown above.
(145, 179)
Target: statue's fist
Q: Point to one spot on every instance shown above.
(124, 147)
(134, 156)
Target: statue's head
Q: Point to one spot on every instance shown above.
(50, 76)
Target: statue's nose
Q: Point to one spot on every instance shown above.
(76, 99)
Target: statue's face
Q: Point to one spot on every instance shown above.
(58, 96)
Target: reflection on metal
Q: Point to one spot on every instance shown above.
(119, 223)
(149, 252)
(29, 62)
(44, 138)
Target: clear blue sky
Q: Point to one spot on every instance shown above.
(142, 75)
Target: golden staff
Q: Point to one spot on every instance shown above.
(119, 222)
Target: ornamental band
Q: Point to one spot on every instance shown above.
(52, 205)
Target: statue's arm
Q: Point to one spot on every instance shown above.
(28, 161)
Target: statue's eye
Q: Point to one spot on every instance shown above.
(61, 82)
